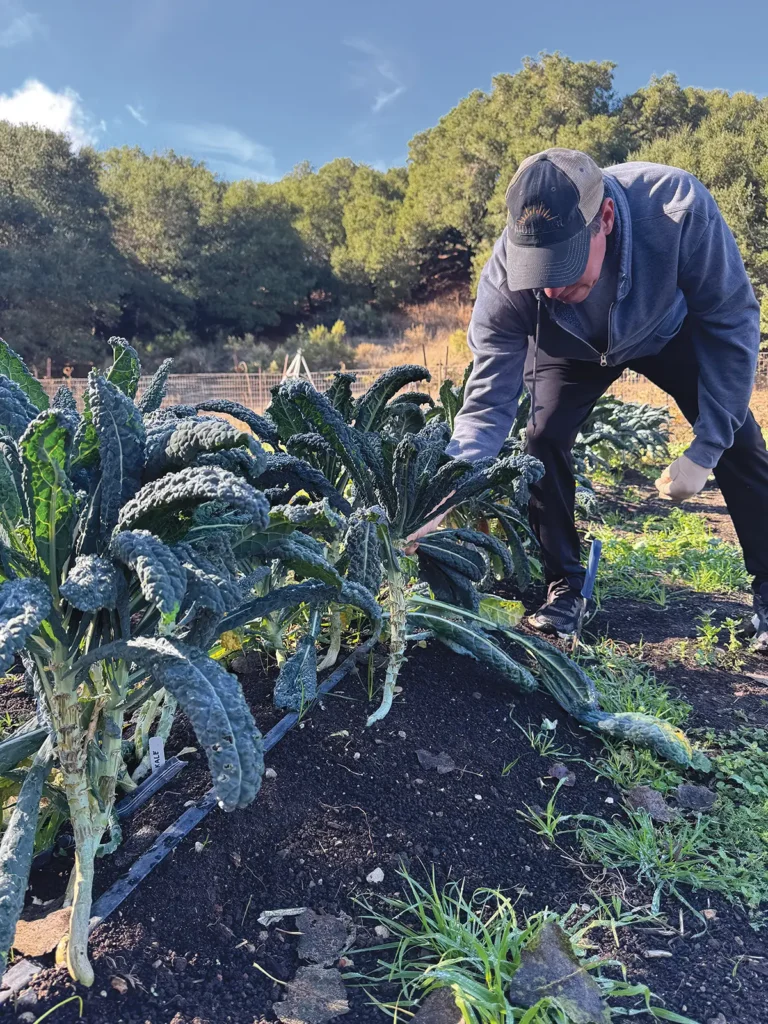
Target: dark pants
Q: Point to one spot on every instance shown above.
(566, 392)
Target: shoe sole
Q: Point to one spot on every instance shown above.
(549, 630)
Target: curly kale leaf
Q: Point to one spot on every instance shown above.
(17, 849)
(339, 394)
(212, 701)
(297, 553)
(247, 464)
(24, 604)
(262, 426)
(125, 371)
(16, 410)
(369, 410)
(281, 599)
(167, 504)
(120, 430)
(15, 369)
(293, 475)
(64, 399)
(182, 442)
(92, 584)
(154, 393)
(296, 683)
(362, 550)
(45, 450)
(12, 497)
(162, 578)
(316, 415)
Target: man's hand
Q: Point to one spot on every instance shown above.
(412, 542)
(682, 479)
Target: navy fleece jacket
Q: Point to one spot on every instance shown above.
(677, 258)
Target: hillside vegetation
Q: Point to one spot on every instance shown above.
(155, 248)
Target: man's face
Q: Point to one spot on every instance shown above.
(579, 290)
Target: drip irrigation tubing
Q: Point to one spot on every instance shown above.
(167, 841)
(23, 971)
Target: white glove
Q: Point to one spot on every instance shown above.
(682, 479)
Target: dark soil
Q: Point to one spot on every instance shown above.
(346, 800)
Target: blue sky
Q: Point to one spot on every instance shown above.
(255, 87)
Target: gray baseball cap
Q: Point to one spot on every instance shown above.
(551, 201)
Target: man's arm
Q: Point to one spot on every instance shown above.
(725, 329)
(498, 340)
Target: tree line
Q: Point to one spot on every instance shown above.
(156, 248)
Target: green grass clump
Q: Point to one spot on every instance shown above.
(677, 551)
(473, 944)
(723, 851)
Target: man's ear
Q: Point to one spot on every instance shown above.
(608, 211)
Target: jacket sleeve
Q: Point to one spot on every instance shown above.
(725, 321)
(498, 340)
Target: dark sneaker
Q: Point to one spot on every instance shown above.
(760, 620)
(563, 613)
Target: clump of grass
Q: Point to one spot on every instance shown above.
(473, 944)
(676, 551)
(624, 683)
(724, 851)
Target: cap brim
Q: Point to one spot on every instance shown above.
(554, 266)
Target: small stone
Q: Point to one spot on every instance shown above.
(477, 696)
(270, 773)
(709, 914)
(119, 985)
(719, 1019)
(439, 1008)
(29, 1018)
(560, 771)
(375, 877)
(652, 802)
(157, 965)
(478, 797)
(179, 964)
(657, 954)
(610, 800)
(356, 756)
(199, 847)
(382, 932)
(236, 858)
(401, 734)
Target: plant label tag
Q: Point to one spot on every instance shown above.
(156, 753)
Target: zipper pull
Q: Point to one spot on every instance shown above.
(603, 359)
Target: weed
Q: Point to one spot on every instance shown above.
(663, 857)
(624, 683)
(472, 944)
(677, 551)
(64, 1002)
(546, 823)
(543, 739)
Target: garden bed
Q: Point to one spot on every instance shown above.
(346, 800)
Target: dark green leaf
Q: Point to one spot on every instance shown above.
(15, 369)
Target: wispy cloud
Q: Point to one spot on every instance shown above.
(18, 25)
(34, 103)
(375, 73)
(137, 113)
(228, 150)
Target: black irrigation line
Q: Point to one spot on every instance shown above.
(22, 972)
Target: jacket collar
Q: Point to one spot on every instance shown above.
(622, 227)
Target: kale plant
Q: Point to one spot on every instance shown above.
(118, 568)
(397, 483)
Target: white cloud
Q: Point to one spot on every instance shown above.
(34, 103)
(376, 74)
(137, 113)
(21, 25)
(229, 151)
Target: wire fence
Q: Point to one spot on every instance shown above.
(253, 390)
